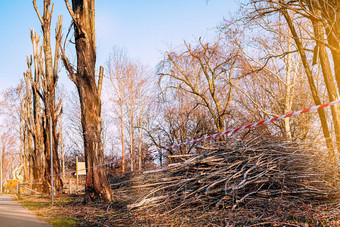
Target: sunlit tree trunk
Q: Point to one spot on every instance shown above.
(83, 15)
(328, 76)
(288, 93)
(312, 86)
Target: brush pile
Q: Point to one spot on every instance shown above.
(226, 176)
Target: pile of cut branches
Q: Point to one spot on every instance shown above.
(229, 175)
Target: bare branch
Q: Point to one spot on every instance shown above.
(73, 15)
(100, 80)
(67, 65)
(58, 30)
(37, 11)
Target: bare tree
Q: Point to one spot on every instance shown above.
(49, 83)
(34, 110)
(136, 103)
(144, 98)
(9, 152)
(117, 67)
(315, 19)
(271, 85)
(12, 123)
(130, 93)
(83, 16)
(204, 71)
(130, 83)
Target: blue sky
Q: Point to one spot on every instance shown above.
(146, 28)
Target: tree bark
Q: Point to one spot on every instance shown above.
(83, 15)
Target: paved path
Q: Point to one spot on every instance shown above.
(12, 214)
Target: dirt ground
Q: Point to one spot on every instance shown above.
(71, 211)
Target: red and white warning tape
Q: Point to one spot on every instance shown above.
(228, 132)
(231, 131)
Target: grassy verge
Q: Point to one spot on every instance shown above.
(55, 214)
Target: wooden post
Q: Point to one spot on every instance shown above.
(77, 174)
(18, 189)
(70, 185)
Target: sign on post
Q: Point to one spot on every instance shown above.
(81, 168)
(12, 183)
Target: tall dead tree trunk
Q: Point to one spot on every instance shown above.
(83, 15)
(33, 115)
(50, 82)
(37, 159)
(24, 151)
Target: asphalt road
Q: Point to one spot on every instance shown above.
(12, 214)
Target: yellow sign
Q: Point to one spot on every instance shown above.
(12, 183)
